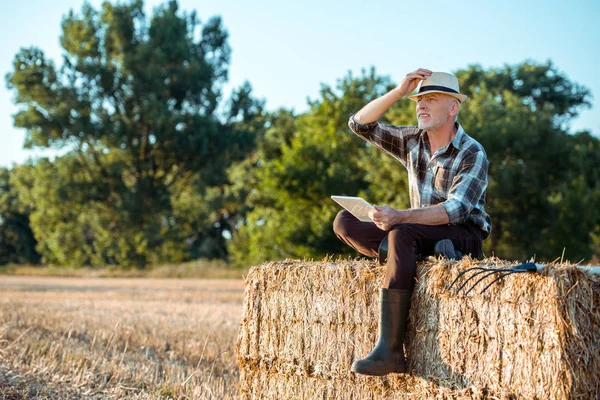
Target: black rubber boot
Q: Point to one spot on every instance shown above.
(382, 251)
(446, 249)
(388, 354)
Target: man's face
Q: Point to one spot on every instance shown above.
(433, 110)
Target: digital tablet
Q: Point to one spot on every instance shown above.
(356, 206)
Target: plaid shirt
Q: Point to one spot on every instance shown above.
(456, 175)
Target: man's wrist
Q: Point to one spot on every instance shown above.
(400, 217)
(398, 93)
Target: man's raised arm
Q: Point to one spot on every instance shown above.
(376, 108)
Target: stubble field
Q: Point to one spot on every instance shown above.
(72, 338)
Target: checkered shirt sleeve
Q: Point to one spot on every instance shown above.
(394, 140)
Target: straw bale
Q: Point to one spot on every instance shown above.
(530, 336)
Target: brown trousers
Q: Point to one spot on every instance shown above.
(406, 242)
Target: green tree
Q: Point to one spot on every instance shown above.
(135, 103)
(17, 243)
(575, 202)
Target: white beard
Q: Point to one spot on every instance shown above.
(433, 123)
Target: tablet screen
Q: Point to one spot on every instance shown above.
(356, 206)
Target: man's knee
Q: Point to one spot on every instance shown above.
(341, 223)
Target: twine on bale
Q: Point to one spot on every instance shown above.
(529, 336)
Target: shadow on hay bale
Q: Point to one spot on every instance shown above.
(532, 336)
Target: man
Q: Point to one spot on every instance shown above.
(447, 175)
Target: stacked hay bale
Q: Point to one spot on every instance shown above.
(531, 336)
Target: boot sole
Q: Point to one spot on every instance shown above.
(377, 372)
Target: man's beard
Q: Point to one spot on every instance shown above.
(432, 124)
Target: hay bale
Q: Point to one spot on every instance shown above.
(530, 336)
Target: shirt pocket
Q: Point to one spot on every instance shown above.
(442, 181)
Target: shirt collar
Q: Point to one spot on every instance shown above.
(458, 137)
(456, 142)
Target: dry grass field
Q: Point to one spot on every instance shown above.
(74, 338)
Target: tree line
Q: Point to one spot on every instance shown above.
(160, 165)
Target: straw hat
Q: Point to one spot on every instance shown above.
(439, 82)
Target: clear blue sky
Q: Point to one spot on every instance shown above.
(287, 49)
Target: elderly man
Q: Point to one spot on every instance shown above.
(447, 175)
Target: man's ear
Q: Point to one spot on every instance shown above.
(454, 108)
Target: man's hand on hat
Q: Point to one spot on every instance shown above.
(385, 217)
(411, 81)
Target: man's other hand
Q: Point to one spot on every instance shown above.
(385, 217)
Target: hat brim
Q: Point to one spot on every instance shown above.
(458, 96)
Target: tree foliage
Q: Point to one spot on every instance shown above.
(17, 242)
(135, 102)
